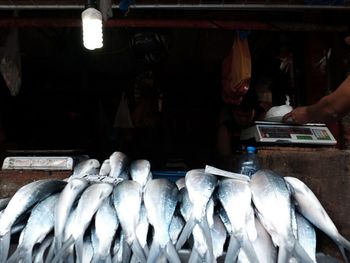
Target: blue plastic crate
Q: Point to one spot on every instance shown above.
(171, 175)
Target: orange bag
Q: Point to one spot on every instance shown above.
(236, 71)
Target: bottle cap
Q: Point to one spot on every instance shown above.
(251, 149)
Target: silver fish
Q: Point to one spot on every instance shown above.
(90, 200)
(225, 220)
(200, 187)
(310, 207)
(40, 223)
(186, 208)
(142, 229)
(263, 246)
(38, 254)
(88, 250)
(24, 199)
(106, 224)
(127, 197)
(67, 233)
(219, 234)
(272, 201)
(306, 236)
(105, 168)
(86, 167)
(140, 171)
(160, 198)
(235, 197)
(4, 202)
(121, 250)
(118, 162)
(200, 251)
(176, 226)
(64, 206)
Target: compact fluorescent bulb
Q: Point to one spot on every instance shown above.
(92, 28)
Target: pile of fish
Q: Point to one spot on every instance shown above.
(118, 213)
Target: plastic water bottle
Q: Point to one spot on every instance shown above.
(249, 163)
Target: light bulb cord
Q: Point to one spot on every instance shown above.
(90, 4)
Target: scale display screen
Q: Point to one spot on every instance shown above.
(289, 134)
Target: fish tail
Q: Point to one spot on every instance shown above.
(249, 249)
(195, 257)
(343, 244)
(232, 250)
(79, 247)
(138, 251)
(207, 234)
(171, 253)
(186, 232)
(4, 246)
(154, 252)
(60, 253)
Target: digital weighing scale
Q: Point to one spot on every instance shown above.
(277, 132)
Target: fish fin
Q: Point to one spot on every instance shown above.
(207, 234)
(60, 253)
(342, 243)
(232, 250)
(138, 251)
(5, 246)
(249, 249)
(79, 247)
(186, 232)
(171, 253)
(154, 252)
(195, 257)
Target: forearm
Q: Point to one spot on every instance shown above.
(323, 110)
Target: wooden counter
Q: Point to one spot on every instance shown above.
(326, 171)
(12, 180)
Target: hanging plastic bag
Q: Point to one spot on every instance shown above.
(122, 117)
(236, 71)
(10, 64)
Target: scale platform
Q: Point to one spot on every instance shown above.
(282, 133)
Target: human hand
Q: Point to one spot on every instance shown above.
(298, 115)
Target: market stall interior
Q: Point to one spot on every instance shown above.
(156, 89)
(156, 92)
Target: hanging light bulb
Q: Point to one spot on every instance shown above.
(92, 26)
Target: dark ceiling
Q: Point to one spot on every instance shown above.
(292, 15)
